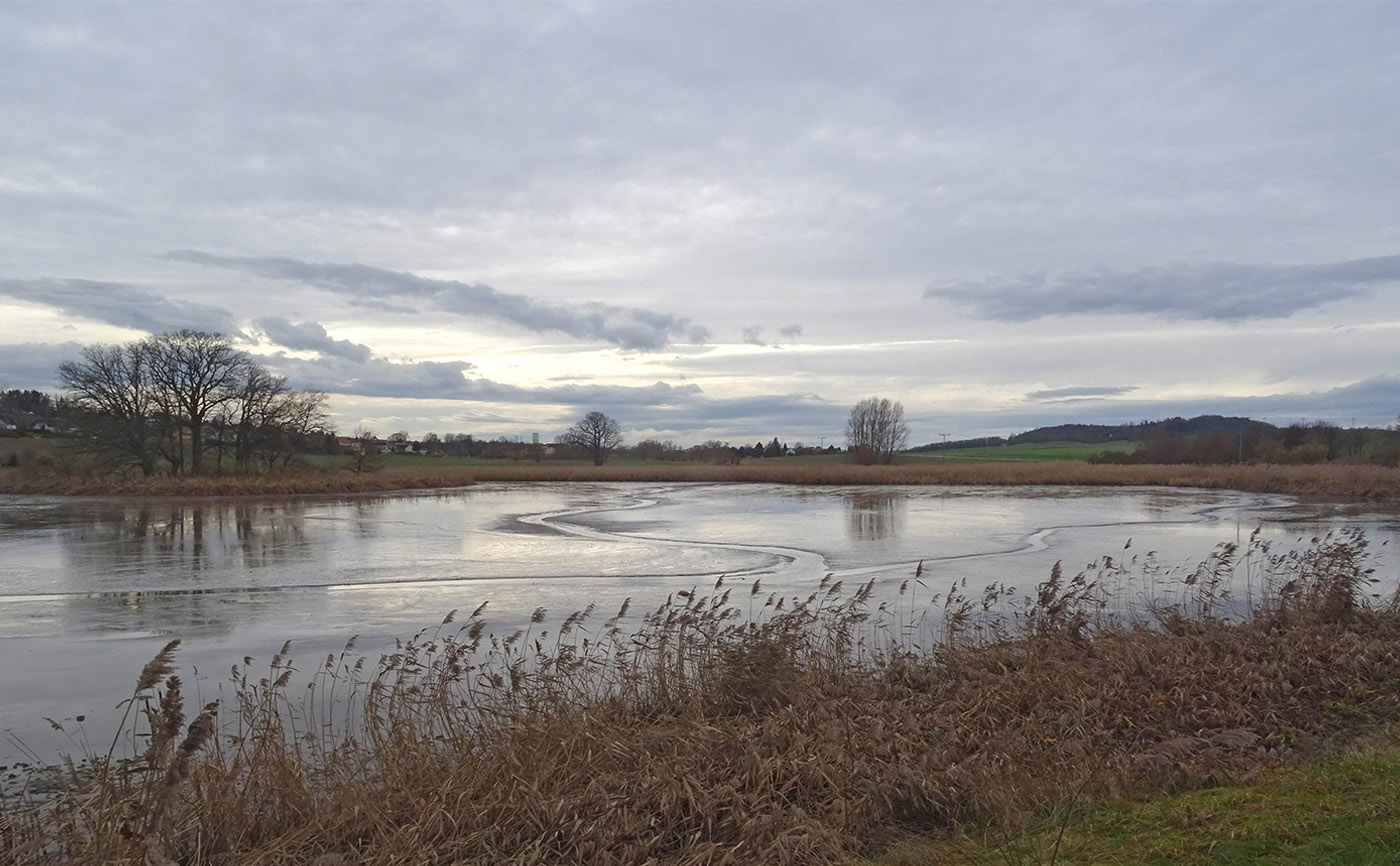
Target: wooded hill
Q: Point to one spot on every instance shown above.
(1210, 439)
(1201, 425)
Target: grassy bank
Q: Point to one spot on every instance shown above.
(1345, 810)
(1333, 482)
(812, 730)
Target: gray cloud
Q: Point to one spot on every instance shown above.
(683, 412)
(1373, 401)
(34, 365)
(740, 420)
(444, 380)
(790, 416)
(741, 164)
(628, 327)
(383, 306)
(374, 377)
(753, 335)
(1080, 392)
(121, 304)
(310, 336)
(1223, 291)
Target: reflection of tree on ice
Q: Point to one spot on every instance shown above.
(872, 515)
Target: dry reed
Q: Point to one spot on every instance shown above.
(1338, 482)
(802, 730)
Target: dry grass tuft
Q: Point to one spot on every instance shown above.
(808, 731)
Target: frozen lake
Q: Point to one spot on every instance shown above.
(91, 589)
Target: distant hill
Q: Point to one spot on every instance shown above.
(1088, 433)
(1201, 425)
(1202, 439)
(1092, 434)
(954, 444)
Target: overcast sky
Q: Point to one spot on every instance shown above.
(719, 220)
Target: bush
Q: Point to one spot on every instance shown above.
(864, 455)
(1308, 452)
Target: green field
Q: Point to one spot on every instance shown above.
(1027, 451)
(1345, 811)
(27, 450)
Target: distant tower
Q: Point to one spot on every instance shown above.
(535, 438)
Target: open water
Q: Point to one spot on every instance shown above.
(90, 589)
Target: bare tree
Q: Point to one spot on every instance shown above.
(255, 409)
(113, 401)
(133, 405)
(876, 430)
(597, 434)
(194, 373)
(655, 449)
(303, 415)
(364, 452)
(276, 420)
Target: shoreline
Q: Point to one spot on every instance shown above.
(1339, 483)
(698, 736)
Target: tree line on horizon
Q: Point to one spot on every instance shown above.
(875, 432)
(180, 401)
(650, 448)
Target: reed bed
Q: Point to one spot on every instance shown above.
(732, 726)
(1337, 482)
(291, 483)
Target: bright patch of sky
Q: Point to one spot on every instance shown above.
(719, 220)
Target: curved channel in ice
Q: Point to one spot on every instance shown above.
(798, 561)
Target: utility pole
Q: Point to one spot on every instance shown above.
(945, 438)
(821, 442)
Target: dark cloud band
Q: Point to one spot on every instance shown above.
(627, 327)
(1219, 291)
(312, 337)
(121, 304)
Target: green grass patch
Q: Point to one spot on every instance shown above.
(1344, 812)
(1027, 451)
(27, 451)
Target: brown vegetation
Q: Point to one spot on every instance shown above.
(806, 731)
(1339, 482)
